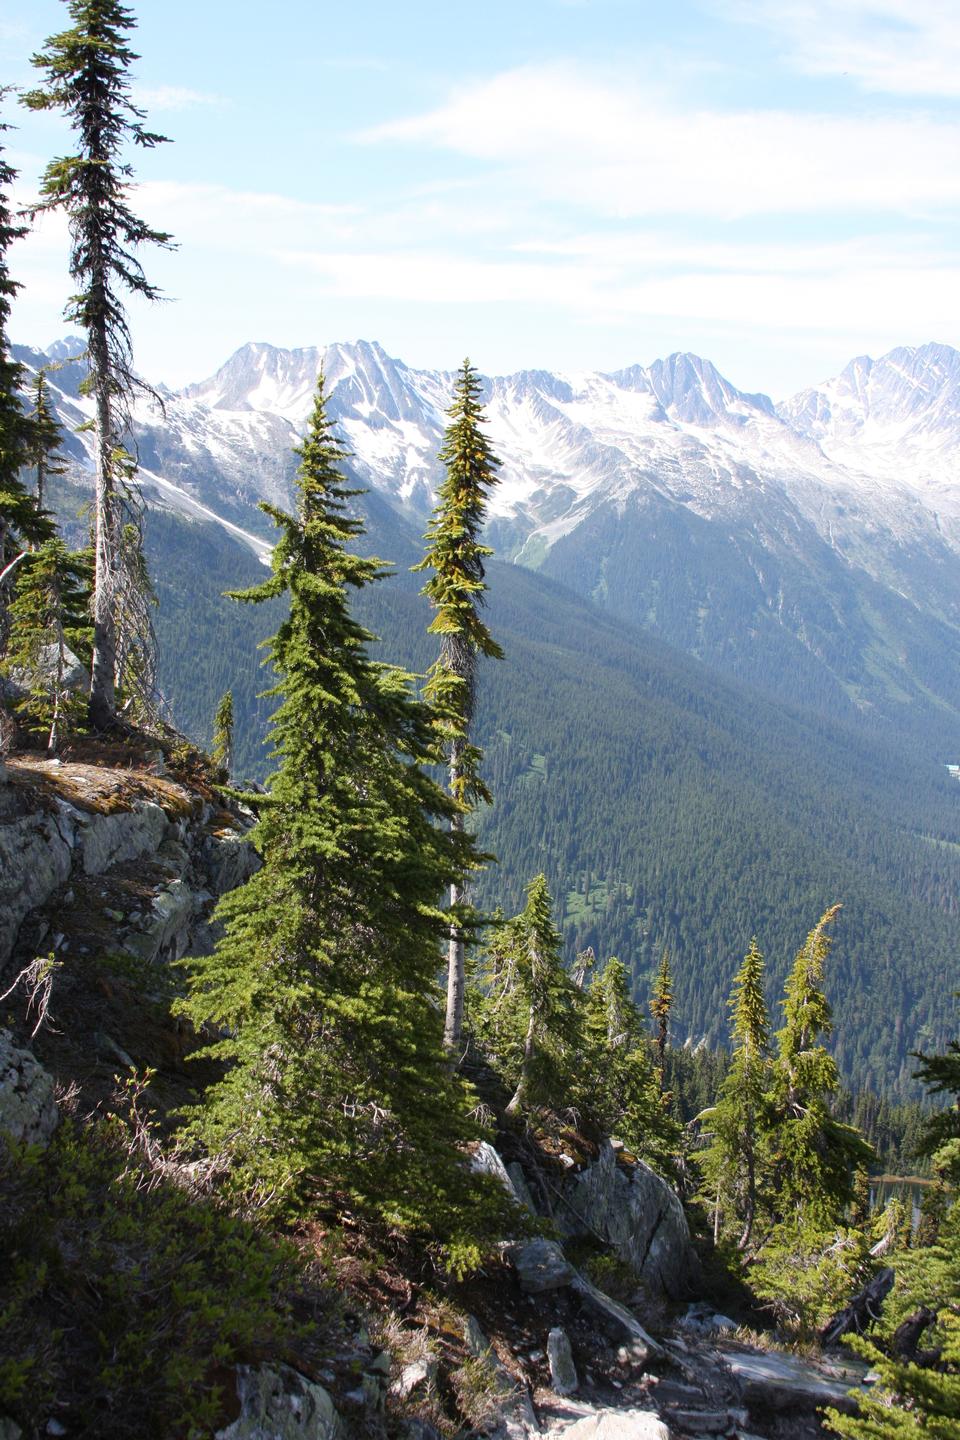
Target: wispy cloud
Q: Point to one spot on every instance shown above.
(605, 144)
(901, 47)
(175, 97)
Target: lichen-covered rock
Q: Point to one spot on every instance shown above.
(617, 1425)
(105, 840)
(28, 1109)
(228, 859)
(277, 1403)
(638, 1215)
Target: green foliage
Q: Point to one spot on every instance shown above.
(543, 990)
(941, 1138)
(913, 1399)
(618, 1087)
(806, 1275)
(85, 70)
(813, 1156)
(221, 751)
(456, 587)
(49, 624)
(125, 1299)
(739, 1121)
(322, 991)
(661, 1003)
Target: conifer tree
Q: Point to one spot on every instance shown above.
(455, 589)
(737, 1121)
(814, 1156)
(337, 1090)
(221, 752)
(660, 1005)
(48, 628)
(548, 998)
(618, 1086)
(85, 69)
(43, 448)
(941, 1137)
(22, 522)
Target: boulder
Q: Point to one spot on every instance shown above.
(563, 1372)
(541, 1265)
(277, 1403)
(422, 1372)
(618, 1425)
(28, 1110)
(637, 1214)
(788, 1382)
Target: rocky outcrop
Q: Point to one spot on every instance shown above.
(28, 1109)
(162, 851)
(634, 1211)
(277, 1403)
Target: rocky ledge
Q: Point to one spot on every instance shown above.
(120, 857)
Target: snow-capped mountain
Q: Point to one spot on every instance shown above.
(828, 526)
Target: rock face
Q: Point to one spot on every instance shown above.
(28, 1110)
(630, 1207)
(164, 855)
(277, 1403)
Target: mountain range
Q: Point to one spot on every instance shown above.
(811, 548)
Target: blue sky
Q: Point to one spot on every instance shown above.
(557, 183)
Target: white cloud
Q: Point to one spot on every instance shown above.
(608, 145)
(174, 97)
(901, 47)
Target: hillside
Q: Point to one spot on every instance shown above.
(666, 805)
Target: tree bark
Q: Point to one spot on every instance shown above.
(456, 960)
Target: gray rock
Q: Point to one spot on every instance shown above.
(787, 1382)
(563, 1372)
(9, 1429)
(28, 1110)
(541, 1265)
(35, 861)
(486, 1161)
(637, 1213)
(618, 1425)
(700, 1422)
(641, 1345)
(422, 1372)
(106, 840)
(228, 860)
(277, 1403)
(520, 1187)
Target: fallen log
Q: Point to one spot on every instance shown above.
(862, 1310)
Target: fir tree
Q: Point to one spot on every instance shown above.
(221, 752)
(48, 630)
(737, 1122)
(43, 449)
(660, 1004)
(456, 587)
(941, 1137)
(337, 1090)
(618, 1087)
(22, 523)
(548, 998)
(814, 1156)
(85, 69)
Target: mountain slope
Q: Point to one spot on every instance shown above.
(666, 806)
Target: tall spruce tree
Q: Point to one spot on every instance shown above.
(548, 997)
(336, 1088)
(456, 587)
(86, 73)
(22, 522)
(814, 1156)
(43, 455)
(49, 632)
(661, 1002)
(737, 1122)
(618, 1087)
(221, 750)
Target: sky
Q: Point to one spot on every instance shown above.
(562, 184)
